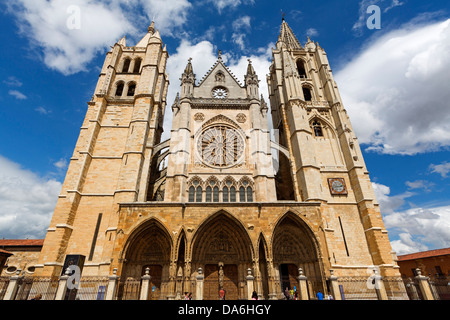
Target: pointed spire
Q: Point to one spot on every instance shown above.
(250, 69)
(288, 37)
(151, 29)
(123, 41)
(176, 103)
(189, 69)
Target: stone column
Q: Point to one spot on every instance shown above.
(424, 286)
(62, 286)
(145, 285)
(250, 284)
(112, 285)
(303, 285)
(334, 286)
(13, 286)
(200, 278)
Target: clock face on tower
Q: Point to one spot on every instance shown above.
(220, 146)
(220, 93)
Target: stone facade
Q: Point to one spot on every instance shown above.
(220, 197)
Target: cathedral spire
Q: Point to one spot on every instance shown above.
(189, 69)
(288, 38)
(151, 28)
(250, 69)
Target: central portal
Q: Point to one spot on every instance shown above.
(222, 248)
(221, 276)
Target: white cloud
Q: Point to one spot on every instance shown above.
(222, 4)
(27, 202)
(68, 50)
(443, 169)
(420, 184)
(167, 14)
(395, 3)
(42, 110)
(311, 32)
(17, 94)
(61, 164)
(414, 229)
(13, 82)
(241, 26)
(396, 92)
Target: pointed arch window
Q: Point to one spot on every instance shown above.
(216, 194)
(232, 194)
(318, 130)
(126, 65)
(301, 69)
(208, 194)
(242, 194)
(249, 194)
(137, 65)
(131, 89)
(119, 89)
(192, 194)
(199, 194)
(225, 194)
(307, 94)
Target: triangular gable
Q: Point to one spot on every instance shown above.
(219, 65)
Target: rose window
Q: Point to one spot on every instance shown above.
(220, 146)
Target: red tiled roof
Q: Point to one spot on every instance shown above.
(425, 254)
(5, 252)
(21, 243)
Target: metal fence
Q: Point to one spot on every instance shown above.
(357, 288)
(92, 288)
(129, 289)
(440, 288)
(30, 287)
(395, 288)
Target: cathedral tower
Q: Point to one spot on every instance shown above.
(325, 163)
(110, 164)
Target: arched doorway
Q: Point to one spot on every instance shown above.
(294, 246)
(149, 247)
(263, 270)
(223, 249)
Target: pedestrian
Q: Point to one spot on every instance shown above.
(190, 296)
(254, 296)
(287, 294)
(296, 295)
(186, 296)
(330, 297)
(222, 294)
(291, 294)
(319, 295)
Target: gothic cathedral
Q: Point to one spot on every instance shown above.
(229, 194)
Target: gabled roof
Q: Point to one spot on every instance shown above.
(219, 62)
(425, 254)
(21, 243)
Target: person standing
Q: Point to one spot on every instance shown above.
(222, 293)
(319, 295)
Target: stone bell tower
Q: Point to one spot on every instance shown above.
(111, 161)
(325, 163)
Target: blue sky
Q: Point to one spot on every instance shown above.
(394, 81)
